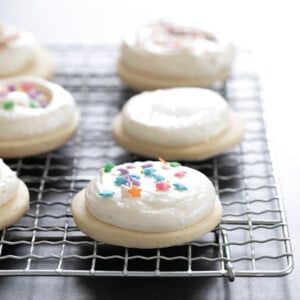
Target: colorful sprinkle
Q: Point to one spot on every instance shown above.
(135, 192)
(25, 95)
(147, 165)
(11, 88)
(132, 181)
(175, 164)
(106, 194)
(26, 86)
(130, 167)
(158, 177)
(180, 186)
(123, 171)
(149, 171)
(120, 180)
(162, 186)
(108, 167)
(3, 90)
(180, 174)
(33, 104)
(8, 105)
(135, 176)
(34, 93)
(162, 160)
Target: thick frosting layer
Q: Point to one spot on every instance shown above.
(175, 117)
(165, 49)
(150, 196)
(31, 106)
(15, 53)
(8, 183)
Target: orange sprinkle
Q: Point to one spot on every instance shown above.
(135, 192)
(162, 160)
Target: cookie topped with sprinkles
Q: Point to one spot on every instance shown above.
(147, 204)
(36, 116)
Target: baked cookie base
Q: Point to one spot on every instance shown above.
(42, 66)
(43, 143)
(115, 235)
(142, 81)
(212, 147)
(15, 208)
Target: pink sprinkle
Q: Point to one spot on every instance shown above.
(162, 186)
(26, 86)
(180, 174)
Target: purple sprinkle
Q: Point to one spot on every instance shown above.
(43, 104)
(33, 93)
(11, 88)
(123, 171)
(132, 180)
(130, 167)
(147, 165)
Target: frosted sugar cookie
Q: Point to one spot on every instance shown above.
(20, 54)
(163, 55)
(178, 123)
(36, 116)
(14, 197)
(148, 204)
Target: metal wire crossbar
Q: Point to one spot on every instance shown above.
(252, 240)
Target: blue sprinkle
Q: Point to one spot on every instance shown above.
(106, 194)
(135, 176)
(120, 180)
(149, 171)
(158, 177)
(180, 186)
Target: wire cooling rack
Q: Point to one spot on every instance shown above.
(252, 239)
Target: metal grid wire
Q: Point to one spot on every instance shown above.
(252, 239)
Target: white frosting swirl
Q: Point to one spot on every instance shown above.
(8, 183)
(155, 210)
(164, 49)
(24, 122)
(175, 117)
(18, 53)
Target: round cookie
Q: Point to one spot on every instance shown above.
(20, 54)
(178, 124)
(14, 197)
(151, 204)
(163, 55)
(36, 116)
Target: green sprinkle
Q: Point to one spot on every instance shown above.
(33, 104)
(175, 164)
(108, 167)
(8, 105)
